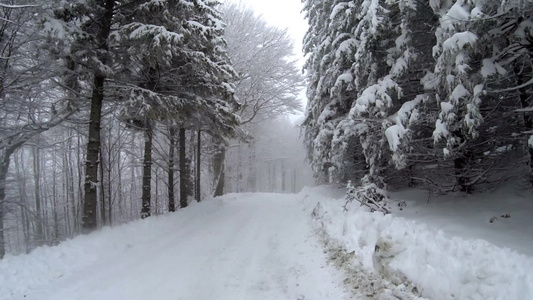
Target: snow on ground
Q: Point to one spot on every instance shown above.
(469, 216)
(246, 246)
(274, 246)
(440, 264)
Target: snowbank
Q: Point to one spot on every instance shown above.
(23, 273)
(440, 266)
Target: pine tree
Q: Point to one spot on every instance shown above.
(192, 70)
(330, 44)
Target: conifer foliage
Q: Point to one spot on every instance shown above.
(157, 61)
(398, 88)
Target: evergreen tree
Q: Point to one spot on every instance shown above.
(439, 83)
(190, 75)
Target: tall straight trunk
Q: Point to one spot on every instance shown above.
(132, 177)
(147, 172)
(171, 165)
(109, 187)
(156, 202)
(119, 189)
(198, 164)
(184, 170)
(102, 189)
(252, 168)
(23, 199)
(80, 188)
(39, 234)
(4, 168)
(109, 202)
(65, 189)
(55, 209)
(89, 220)
(238, 170)
(283, 177)
(218, 168)
(70, 175)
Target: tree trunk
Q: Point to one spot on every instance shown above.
(184, 170)
(218, 168)
(4, 168)
(252, 168)
(109, 187)
(147, 172)
(283, 177)
(132, 179)
(102, 189)
(39, 234)
(156, 195)
(89, 221)
(198, 164)
(171, 165)
(54, 199)
(461, 163)
(119, 189)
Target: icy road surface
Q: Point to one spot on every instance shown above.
(245, 246)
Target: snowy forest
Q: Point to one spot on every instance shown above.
(117, 110)
(435, 94)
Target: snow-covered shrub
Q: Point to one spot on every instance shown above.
(368, 194)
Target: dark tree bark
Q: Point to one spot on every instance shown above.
(184, 170)
(461, 165)
(198, 161)
(171, 165)
(252, 168)
(109, 187)
(39, 234)
(102, 189)
(218, 168)
(4, 168)
(147, 172)
(89, 220)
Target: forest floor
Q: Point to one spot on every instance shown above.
(296, 247)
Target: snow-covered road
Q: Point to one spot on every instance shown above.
(246, 246)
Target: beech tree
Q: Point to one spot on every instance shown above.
(268, 84)
(30, 102)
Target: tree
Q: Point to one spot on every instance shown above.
(483, 60)
(171, 165)
(330, 44)
(382, 94)
(268, 83)
(88, 25)
(191, 71)
(30, 101)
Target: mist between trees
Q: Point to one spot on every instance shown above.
(117, 110)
